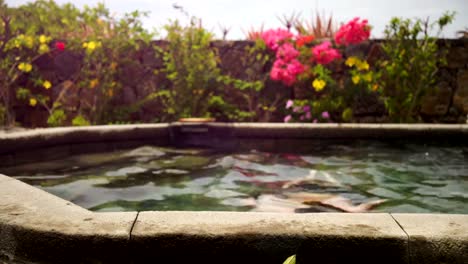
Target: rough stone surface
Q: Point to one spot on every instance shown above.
(37, 138)
(40, 227)
(457, 57)
(224, 237)
(460, 99)
(436, 238)
(438, 101)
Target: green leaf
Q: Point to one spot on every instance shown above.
(290, 260)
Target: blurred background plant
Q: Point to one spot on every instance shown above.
(61, 65)
(409, 69)
(191, 65)
(41, 30)
(244, 97)
(309, 66)
(320, 26)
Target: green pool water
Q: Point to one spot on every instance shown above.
(360, 176)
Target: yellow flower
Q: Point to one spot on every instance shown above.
(110, 92)
(93, 83)
(362, 65)
(91, 46)
(29, 42)
(113, 65)
(356, 79)
(375, 87)
(351, 61)
(25, 67)
(318, 84)
(43, 48)
(367, 77)
(43, 39)
(32, 102)
(47, 84)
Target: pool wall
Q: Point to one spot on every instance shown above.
(39, 227)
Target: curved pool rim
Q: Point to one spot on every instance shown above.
(36, 226)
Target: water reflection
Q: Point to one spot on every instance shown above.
(354, 177)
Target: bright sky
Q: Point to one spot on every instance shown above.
(242, 15)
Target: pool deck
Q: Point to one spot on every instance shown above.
(36, 226)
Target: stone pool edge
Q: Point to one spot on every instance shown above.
(49, 143)
(38, 226)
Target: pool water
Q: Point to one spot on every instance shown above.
(362, 176)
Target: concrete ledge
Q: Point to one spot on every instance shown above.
(226, 237)
(40, 227)
(441, 238)
(48, 137)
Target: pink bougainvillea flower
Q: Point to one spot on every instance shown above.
(303, 40)
(308, 115)
(353, 32)
(324, 53)
(315, 121)
(295, 67)
(289, 103)
(275, 37)
(287, 118)
(297, 109)
(302, 117)
(286, 71)
(275, 73)
(287, 52)
(60, 45)
(306, 108)
(325, 115)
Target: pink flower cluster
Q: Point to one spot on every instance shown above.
(324, 53)
(304, 111)
(275, 37)
(354, 32)
(286, 71)
(286, 66)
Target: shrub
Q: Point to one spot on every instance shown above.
(411, 64)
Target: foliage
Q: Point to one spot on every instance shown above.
(108, 51)
(410, 69)
(248, 88)
(191, 66)
(39, 28)
(319, 26)
(254, 34)
(57, 118)
(289, 21)
(80, 120)
(323, 80)
(290, 260)
(302, 60)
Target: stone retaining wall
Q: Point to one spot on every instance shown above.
(448, 103)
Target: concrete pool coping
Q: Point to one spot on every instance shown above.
(40, 227)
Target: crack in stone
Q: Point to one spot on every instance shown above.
(133, 225)
(407, 235)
